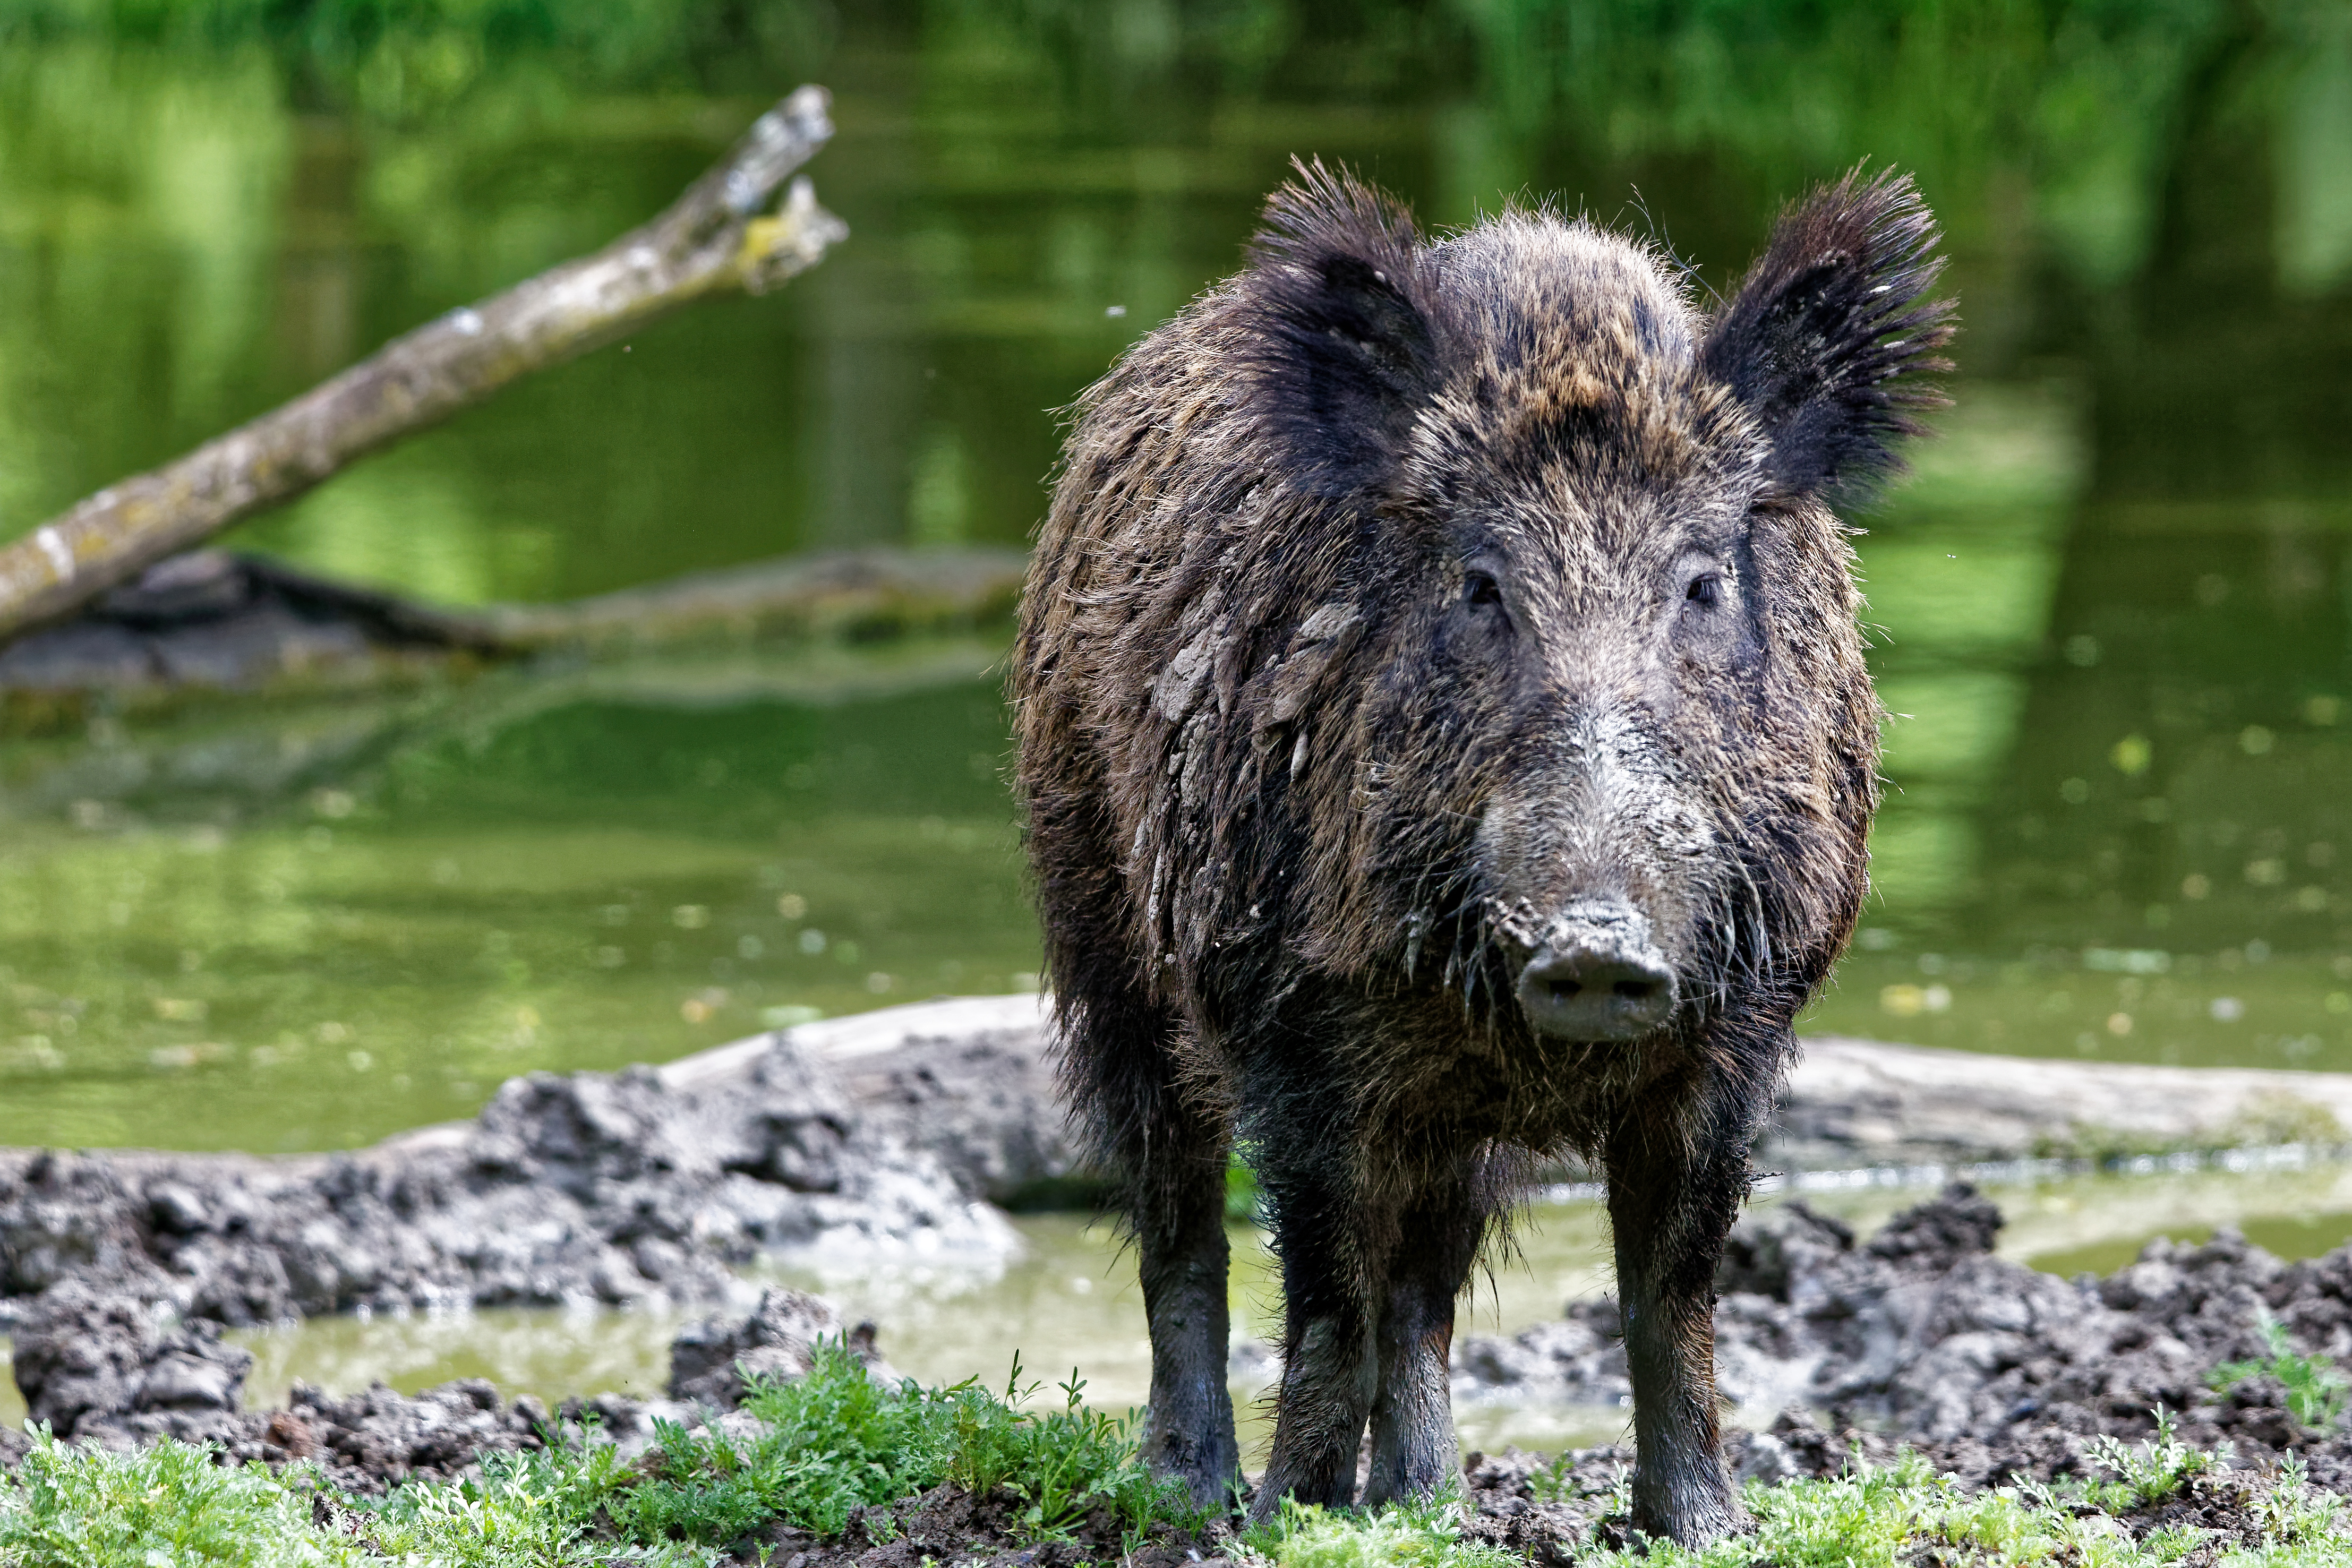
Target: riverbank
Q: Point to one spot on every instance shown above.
(2180, 1409)
(909, 1131)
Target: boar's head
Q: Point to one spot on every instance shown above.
(1574, 713)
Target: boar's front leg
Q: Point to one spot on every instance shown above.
(1677, 1171)
(1414, 1450)
(1166, 1151)
(1177, 1207)
(1327, 1365)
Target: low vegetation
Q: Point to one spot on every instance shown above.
(167, 1504)
(2315, 1386)
(1411, 1535)
(819, 1455)
(836, 1456)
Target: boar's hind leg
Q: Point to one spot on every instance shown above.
(1413, 1447)
(1677, 1173)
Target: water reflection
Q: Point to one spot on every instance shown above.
(309, 926)
(2118, 833)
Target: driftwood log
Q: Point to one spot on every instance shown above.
(726, 233)
(208, 619)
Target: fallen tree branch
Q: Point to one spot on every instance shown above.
(717, 238)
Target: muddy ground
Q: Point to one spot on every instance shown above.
(1917, 1336)
(642, 1186)
(1920, 1336)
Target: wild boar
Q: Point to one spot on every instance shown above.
(1445, 743)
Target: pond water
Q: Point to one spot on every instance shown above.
(2113, 605)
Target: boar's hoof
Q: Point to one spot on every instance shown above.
(1596, 991)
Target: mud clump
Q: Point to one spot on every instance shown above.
(714, 1361)
(614, 1189)
(107, 1366)
(1542, 1509)
(1922, 1335)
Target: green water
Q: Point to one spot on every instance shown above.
(314, 927)
(2113, 604)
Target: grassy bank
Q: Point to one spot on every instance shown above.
(835, 1466)
(831, 1457)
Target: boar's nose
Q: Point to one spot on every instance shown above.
(1597, 981)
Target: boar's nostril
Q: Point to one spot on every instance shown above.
(1596, 992)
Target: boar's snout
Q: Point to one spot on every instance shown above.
(1597, 976)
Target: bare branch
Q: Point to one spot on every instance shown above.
(713, 240)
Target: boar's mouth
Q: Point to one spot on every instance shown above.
(1596, 975)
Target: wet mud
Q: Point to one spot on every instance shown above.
(642, 1186)
(1918, 1336)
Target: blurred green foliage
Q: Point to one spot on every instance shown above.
(398, 58)
(2070, 105)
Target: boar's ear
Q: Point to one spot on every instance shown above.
(1827, 339)
(1345, 351)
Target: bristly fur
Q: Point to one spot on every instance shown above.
(1365, 637)
(1828, 333)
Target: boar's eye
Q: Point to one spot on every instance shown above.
(1477, 587)
(1705, 592)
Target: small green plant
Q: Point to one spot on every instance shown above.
(524, 1508)
(2292, 1514)
(1062, 1462)
(827, 1444)
(1863, 1521)
(82, 1507)
(1423, 1534)
(699, 1487)
(2315, 1386)
(837, 1441)
(2151, 1470)
(1556, 1482)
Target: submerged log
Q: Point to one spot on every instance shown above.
(210, 620)
(720, 237)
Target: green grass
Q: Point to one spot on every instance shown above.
(1905, 1513)
(170, 1504)
(834, 1441)
(1899, 1515)
(1061, 1463)
(2315, 1387)
(528, 1510)
(1409, 1535)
